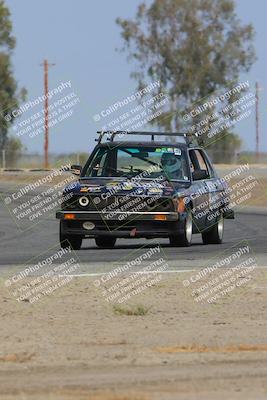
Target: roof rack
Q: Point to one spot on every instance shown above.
(187, 136)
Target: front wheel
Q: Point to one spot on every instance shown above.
(73, 241)
(184, 239)
(215, 234)
(105, 242)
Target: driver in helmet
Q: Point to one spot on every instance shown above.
(172, 165)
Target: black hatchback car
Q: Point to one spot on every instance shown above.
(144, 189)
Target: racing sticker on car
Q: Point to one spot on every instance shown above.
(126, 186)
(177, 152)
(154, 190)
(164, 150)
(85, 189)
(111, 185)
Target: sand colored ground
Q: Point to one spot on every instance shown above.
(74, 345)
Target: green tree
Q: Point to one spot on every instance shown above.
(195, 48)
(9, 96)
(14, 148)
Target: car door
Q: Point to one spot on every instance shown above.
(200, 189)
(217, 191)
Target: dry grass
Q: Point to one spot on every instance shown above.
(133, 310)
(205, 349)
(17, 357)
(21, 178)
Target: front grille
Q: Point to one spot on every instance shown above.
(120, 203)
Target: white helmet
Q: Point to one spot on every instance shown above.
(171, 164)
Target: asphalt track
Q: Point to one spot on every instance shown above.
(18, 247)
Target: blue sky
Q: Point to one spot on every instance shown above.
(81, 38)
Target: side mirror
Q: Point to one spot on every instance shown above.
(76, 169)
(200, 174)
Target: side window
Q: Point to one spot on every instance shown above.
(192, 166)
(198, 162)
(102, 164)
(201, 161)
(208, 164)
(99, 163)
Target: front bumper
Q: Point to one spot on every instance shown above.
(122, 224)
(117, 215)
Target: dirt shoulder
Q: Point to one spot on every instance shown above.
(75, 345)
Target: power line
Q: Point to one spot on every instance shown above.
(257, 122)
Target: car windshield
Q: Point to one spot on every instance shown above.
(148, 162)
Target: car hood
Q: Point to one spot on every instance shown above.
(115, 186)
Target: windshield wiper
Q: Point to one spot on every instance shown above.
(140, 158)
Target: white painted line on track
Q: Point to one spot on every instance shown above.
(134, 272)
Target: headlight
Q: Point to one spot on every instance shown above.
(83, 201)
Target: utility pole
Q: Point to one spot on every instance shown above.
(257, 122)
(3, 159)
(46, 112)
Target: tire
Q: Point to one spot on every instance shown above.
(215, 234)
(184, 239)
(105, 242)
(74, 241)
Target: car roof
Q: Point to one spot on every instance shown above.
(147, 143)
